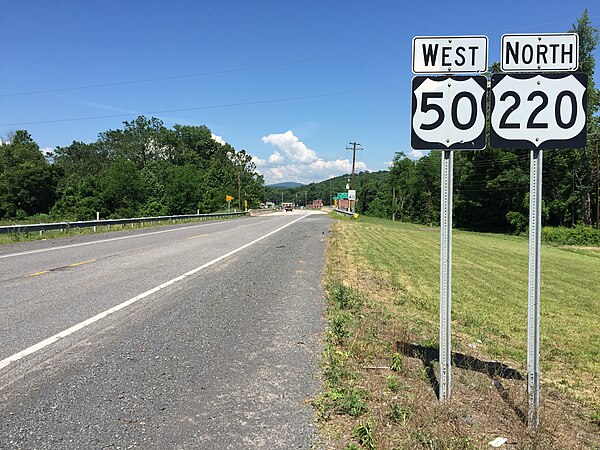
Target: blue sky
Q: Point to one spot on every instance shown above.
(291, 82)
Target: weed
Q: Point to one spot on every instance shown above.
(349, 401)
(431, 442)
(340, 326)
(398, 414)
(393, 383)
(396, 364)
(335, 367)
(364, 434)
(345, 297)
(596, 417)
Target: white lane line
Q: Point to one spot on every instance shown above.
(106, 240)
(52, 339)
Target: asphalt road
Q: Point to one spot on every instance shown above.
(195, 336)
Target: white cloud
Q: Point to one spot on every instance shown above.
(388, 164)
(294, 149)
(297, 162)
(416, 154)
(218, 139)
(46, 150)
(276, 158)
(258, 161)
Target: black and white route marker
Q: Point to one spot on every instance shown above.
(538, 111)
(448, 112)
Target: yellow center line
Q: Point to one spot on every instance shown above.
(200, 235)
(70, 265)
(82, 262)
(38, 273)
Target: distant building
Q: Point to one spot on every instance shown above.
(315, 204)
(342, 203)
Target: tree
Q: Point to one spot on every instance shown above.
(26, 181)
(584, 173)
(140, 141)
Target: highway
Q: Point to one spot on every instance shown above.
(203, 335)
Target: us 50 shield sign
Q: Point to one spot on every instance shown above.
(448, 112)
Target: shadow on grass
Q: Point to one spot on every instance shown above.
(495, 370)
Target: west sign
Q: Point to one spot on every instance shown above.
(449, 54)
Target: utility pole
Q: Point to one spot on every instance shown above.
(355, 146)
(239, 191)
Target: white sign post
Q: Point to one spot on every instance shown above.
(448, 113)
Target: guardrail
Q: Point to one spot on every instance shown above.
(347, 213)
(41, 227)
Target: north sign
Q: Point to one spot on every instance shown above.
(554, 52)
(449, 54)
(448, 112)
(538, 111)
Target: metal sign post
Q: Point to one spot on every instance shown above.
(446, 276)
(537, 111)
(533, 304)
(448, 113)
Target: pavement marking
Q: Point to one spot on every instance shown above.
(38, 273)
(58, 268)
(107, 240)
(52, 339)
(82, 263)
(197, 236)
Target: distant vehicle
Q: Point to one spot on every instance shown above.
(287, 206)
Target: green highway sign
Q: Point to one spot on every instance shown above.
(342, 195)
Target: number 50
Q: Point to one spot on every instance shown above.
(426, 106)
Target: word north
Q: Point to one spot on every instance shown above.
(543, 52)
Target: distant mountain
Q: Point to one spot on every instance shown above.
(287, 184)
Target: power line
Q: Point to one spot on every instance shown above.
(198, 108)
(172, 77)
(223, 71)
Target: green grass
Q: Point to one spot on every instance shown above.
(489, 294)
(383, 304)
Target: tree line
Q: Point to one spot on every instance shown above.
(143, 169)
(147, 169)
(491, 186)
